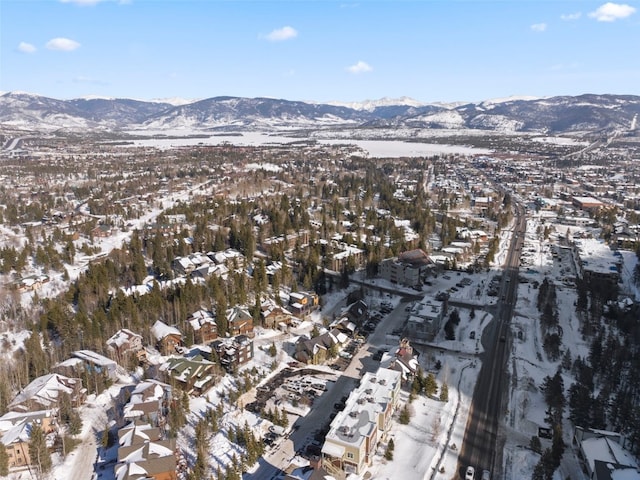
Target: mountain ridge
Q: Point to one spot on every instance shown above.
(559, 114)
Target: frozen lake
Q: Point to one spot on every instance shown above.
(374, 148)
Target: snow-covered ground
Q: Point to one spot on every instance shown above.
(428, 446)
(374, 148)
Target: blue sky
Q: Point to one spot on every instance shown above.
(323, 50)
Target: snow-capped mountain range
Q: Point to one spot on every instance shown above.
(562, 114)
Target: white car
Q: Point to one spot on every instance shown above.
(470, 474)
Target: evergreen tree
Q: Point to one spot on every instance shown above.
(417, 386)
(405, 415)
(35, 356)
(388, 454)
(5, 391)
(4, 461)
(430, 385)
(580, 402)
(444, 393)
(38, 452)
(69, 415)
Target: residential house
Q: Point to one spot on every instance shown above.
(31, 282)
(356, 312)
(16, 442)
(233, 352)
(183, 265)
(15, 433)
(316, 350)
(123, 343)
(425, 319)
(194, 375)
(604, 456)
(274, 316)
(206, 271)
(151, 400)
(101, 231)
(354, 433)
(167, 338)
(86, 361)
(303, 303)
(203, 324)
(230, 258)
(346, 326)
(402, 359)
(347, 256)
(286, 242)
(143, 455)
(240, 321)
(43, 393)
(94, 362)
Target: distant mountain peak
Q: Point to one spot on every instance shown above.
(512, 98)
(556, 115)
(371, 105)
(175, 101)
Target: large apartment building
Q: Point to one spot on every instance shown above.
(351, 442)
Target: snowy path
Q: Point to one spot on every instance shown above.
(85, 456)
(79, 464)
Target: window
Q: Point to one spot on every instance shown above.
(350, 455)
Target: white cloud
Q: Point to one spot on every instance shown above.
(539, 27)
(610, 12)
(360, 67)
(280, 34)
(571, 16)
(62, 44)
(25, 47)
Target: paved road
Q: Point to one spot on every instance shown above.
(482, 441)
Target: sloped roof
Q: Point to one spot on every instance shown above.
(20, 433)
(122, 337)
(45, 390)
(606, 450)
(161, 330)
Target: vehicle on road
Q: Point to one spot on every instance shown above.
(486, 475)
(470, 473)
(277, 430)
